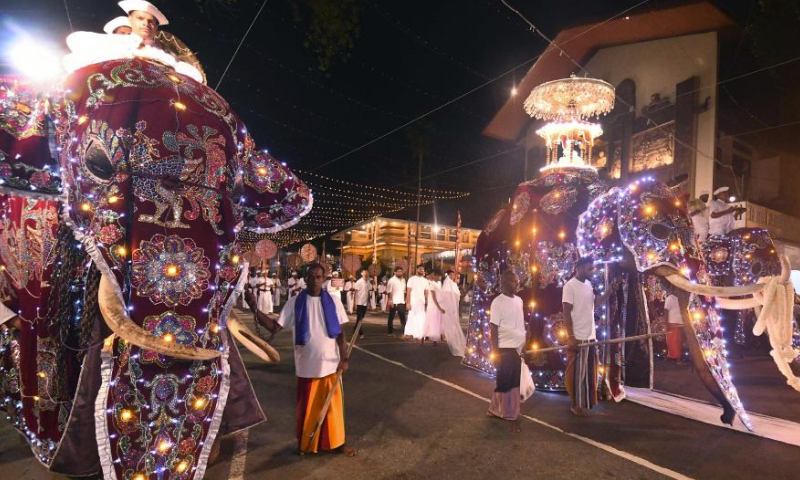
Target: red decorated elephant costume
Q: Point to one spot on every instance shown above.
(124, 192)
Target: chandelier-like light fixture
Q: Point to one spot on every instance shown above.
(567, 104)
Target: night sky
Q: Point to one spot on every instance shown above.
(410, 57)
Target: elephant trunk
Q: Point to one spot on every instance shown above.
(700, 364)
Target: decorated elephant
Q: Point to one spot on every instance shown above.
(631, 233)
(125, 193)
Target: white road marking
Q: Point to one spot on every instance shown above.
(614, 451)
(239, 456)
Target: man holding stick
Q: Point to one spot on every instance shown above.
(319, 354)
(579, 301)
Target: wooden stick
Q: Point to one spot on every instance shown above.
(324, 412)
(594, 344)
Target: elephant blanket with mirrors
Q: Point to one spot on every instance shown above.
(123, 191)
(634, 233)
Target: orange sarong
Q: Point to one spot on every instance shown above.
(674, 341)
(311, 395)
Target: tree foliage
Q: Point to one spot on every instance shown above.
(333, 26)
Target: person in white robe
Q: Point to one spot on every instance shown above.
(276, 290)
(144, 19)
(252, 285)
(265, 285)
(372, 294)
(450, 300)
(382, 295)
(434, 310)
(415, 299)
(350, 294)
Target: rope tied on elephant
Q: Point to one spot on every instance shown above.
(776, 319)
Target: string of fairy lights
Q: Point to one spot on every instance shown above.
(339, 204)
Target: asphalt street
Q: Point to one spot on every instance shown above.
(415, 413)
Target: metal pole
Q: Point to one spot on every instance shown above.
(646, 336)
(419, 199)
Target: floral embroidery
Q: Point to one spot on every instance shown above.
(170, 270)
(181, 329)
(559, 200)
(520, 207)
(264, 174)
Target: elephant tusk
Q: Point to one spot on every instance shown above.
(120, 323)
(251, 341)
(786, 269)
(738, 304)
(710, 291)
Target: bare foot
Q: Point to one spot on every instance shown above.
(346, 451)
(513, 426)
(579, 412)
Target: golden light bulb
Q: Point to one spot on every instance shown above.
(199, 403)
(649, 210)
(633, 188)
(604, 230)
(534, 230)
(86, 206)
(2, 267)
(601, 370)
(686, 271)
(235, 259)
(651, 256)
(126, 415)
(215, 328)
(41, 374)
(36, 398)
(674, 247)
(122, 251)
(562, 235)
(163, 447)
(169, 338)
(532, 304)
(179, 106)
(491, 356)
(534, 269)
(174, 78)
(172, 270)
(139, 476)
(557, 195)
(562, 333)
(677, 203)
(516, 243)
(82, 119)
(113, 199)
(181, 467)
(262, 170)
(535, 346)
(697, 315)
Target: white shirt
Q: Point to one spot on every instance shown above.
(362, 291)
(723, 224)
(319, 357)
(396, 288)
(581, 296)
(673, 309)
(417, 285)
(700, 223)
(506, 313)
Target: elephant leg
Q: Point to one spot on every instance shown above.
(700, 363)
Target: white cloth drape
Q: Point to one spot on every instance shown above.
(451, 323)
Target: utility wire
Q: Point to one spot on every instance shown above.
(238, 46)
(488, 82)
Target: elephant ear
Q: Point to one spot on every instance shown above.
(27, 164)
(273, 198)
(598, 230)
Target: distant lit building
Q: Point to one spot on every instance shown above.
(395, 241)
(666, 122)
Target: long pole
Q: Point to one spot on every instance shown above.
(419, 199)
(597, 344)
(457, 266)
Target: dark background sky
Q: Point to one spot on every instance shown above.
(410, 57)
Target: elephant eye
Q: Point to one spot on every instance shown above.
(660, 231)
(97, 161)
